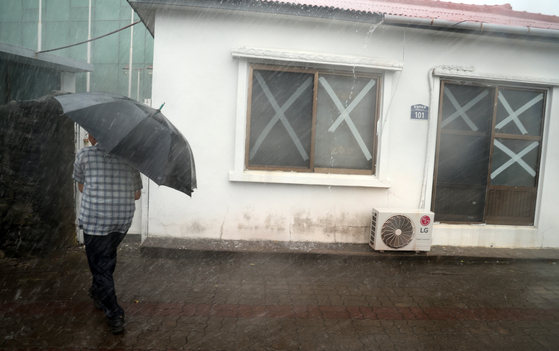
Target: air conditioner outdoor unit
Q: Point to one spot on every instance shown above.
(403, 230)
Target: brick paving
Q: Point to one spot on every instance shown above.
(282, 302)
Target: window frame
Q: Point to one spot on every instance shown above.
(316, 73)
(493, 135)
(390, 70)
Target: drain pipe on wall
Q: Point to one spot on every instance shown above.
(40, 27)
(130, 59)
(429, 149)
(88, 74)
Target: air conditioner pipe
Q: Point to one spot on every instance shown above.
(467, 25)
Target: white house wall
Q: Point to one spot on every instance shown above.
(196, 76)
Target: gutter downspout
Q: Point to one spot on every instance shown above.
(40, 27)
(130, 56)
(430, 142)
(466, 25)
(88, 74)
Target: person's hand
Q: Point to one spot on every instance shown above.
(137, 194)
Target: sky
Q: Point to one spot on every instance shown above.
(546, 7)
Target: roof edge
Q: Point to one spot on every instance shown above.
(147, 17)
(504, 9)
(145, 9)
(30, 57)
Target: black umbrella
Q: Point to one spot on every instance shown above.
(138, 134)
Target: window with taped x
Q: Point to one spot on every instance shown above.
(309, 120)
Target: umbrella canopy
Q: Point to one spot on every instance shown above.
(138, 134)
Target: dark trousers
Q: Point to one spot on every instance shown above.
(101, 256)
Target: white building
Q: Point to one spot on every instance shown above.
(304, 116)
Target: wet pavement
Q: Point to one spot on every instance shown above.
(301, 297)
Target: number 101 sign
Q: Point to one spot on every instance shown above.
(419, 112)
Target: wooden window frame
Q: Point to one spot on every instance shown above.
(489, 188)
(316, 73)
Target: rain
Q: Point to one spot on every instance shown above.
(283, 175)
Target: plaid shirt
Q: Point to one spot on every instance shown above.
(107, 203)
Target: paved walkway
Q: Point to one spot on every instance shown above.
(242, 299)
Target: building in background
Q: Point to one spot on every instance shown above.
(25, 75)
(42, 25)
(30, 67)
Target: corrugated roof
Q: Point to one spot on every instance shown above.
(441, 10)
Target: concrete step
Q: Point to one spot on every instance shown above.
(181, 248)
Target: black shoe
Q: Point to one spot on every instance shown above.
(116, 325)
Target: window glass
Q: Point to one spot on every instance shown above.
(515, 162)
(462, 177)
(519, 112)
(281, 118)
(463, 159)
(345, 122)
(467, 108)
(464, 147)
(293, 127)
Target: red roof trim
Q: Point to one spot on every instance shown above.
(435, 9)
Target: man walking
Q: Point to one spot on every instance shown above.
(109, 187)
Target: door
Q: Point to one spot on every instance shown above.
(488, 154)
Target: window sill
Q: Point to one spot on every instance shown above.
(279, 177)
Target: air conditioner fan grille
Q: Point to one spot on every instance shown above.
(397, 231)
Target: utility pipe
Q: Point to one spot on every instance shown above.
(131, 56)
(466, 25)
(88, 74)
(40, 27)
(138, 87)
(430, 141)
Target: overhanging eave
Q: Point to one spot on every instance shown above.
(14, 53)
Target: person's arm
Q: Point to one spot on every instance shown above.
(137, 185)
(79, 173)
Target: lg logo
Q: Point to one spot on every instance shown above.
(425, 220)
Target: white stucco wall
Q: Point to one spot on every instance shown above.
(196, 76)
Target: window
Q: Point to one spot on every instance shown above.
(309, 120)
(488, 154)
